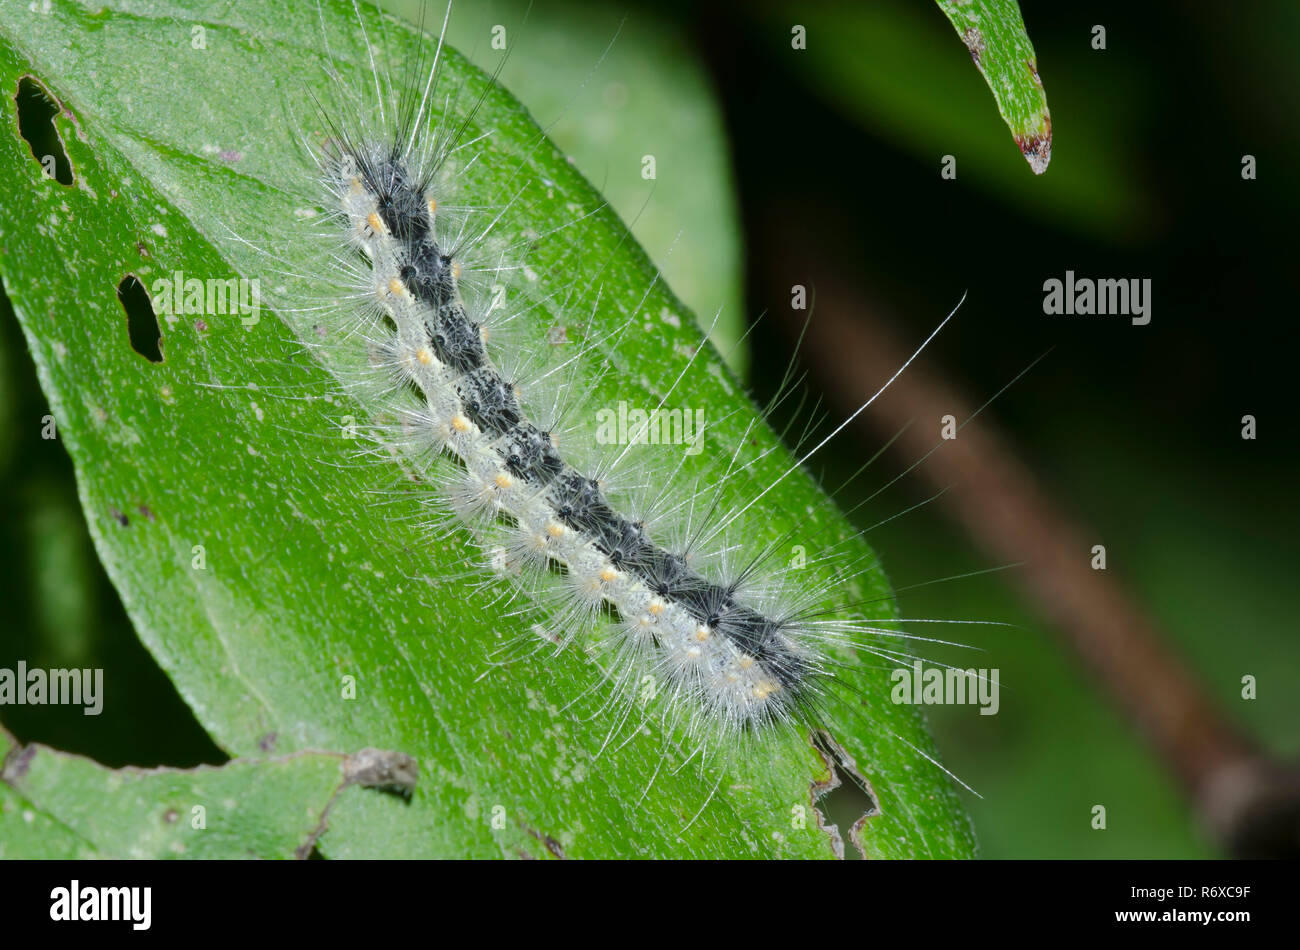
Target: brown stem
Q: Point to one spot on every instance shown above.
(1249, 803)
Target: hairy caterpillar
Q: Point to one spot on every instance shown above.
(576, 335)
(660, 582)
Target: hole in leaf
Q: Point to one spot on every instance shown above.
(141, 321)
(845, 801)
(36, 112)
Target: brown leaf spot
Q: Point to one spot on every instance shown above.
(552, 845)
(1037, 149)
(380, 768)
(18, 762)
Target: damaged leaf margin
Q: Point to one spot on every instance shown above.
(55, 804)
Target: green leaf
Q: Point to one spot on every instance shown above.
(57, 805)
(892, 67)
(994, 33)
(267, 567)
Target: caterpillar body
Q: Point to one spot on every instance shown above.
(440, 282)
(704, 639)
(649, 568)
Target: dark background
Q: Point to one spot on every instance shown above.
(1135, 431)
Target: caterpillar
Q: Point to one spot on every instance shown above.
(715, 622)
(448, 320)
(707, 639)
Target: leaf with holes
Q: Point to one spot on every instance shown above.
(285, 602)
(57, 805)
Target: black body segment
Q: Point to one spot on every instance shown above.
(429, 273)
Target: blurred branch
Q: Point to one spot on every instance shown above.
(1249, 802)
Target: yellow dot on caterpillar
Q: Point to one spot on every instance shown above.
(608, 575)
(354, 185)
(765, 688)
(396, 287)
(455, 269)
(555, 530)
(656, 607)
(424, 356)
(503, 481)
(376, 223)
(745, 662)
(693, 653)
(702, 633)
(460, 423)
(433, 207)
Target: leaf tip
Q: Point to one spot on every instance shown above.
(1037, 146)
